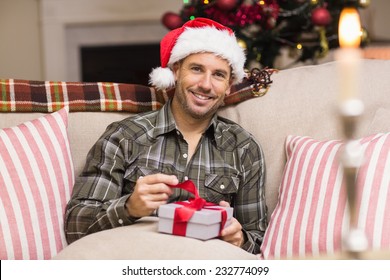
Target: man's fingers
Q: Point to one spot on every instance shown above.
(159, 178)
(224, 203)
(159, 189)
(156, 184)
(158, 197)
(152, 205)
(232, 229)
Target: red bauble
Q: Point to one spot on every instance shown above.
(226, 5)
(320, 16)
(171, 20)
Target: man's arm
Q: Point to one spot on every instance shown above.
(250, 206)
(101, 198)
(97, 202)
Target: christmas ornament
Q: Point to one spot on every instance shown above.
(226, 5)
(171, 20)
(260, 80)
(320, 16)
(364, 37)
(364, 3)
(271, 22)
(242, 44)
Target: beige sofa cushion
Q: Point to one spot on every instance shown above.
(13, 119)
(84, 130)
(142, 241)
(381, 121)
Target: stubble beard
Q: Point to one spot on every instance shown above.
(183, 101)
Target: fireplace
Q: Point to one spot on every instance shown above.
(82, 40)
(121, 52)
(119, 63)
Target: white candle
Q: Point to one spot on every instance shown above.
(349, 54)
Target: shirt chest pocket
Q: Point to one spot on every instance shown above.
(133, 174)
(221, 187)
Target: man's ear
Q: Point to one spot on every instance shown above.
(175, 69)
(229, 89)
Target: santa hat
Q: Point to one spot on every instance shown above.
(197, 36)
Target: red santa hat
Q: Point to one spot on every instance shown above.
(197, 36)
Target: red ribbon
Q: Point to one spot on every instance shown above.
(183, 214)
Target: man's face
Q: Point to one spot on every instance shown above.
(202, 81)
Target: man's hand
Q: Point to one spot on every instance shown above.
(149, 193)
(232, 233)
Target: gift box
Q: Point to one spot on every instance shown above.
(203, 224)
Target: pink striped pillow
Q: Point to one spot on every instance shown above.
(311, 215)
(36, 177)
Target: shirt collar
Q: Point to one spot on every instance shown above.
(165, 122)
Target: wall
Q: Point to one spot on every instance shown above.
(20, 48)
(114, 21)
(377, 19)
(21, 54)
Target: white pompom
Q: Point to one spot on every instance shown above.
(162, 78)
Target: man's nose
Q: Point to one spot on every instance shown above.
(206, 82)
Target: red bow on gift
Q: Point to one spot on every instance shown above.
(183, 214)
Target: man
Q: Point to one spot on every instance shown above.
(130, 168)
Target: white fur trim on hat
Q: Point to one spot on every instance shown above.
(162, 78)
(210, 39)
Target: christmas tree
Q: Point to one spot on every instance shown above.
(308, 28)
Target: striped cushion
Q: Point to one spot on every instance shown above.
(311, 215)
(36, 176)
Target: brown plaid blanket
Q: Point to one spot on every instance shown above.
(49, 96)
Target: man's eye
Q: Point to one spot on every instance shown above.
(196, 68)
(220, 75)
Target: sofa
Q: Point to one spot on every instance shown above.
(297, 123)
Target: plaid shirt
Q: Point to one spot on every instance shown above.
(227, 165)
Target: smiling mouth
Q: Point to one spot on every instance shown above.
(202, 97)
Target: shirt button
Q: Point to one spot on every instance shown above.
(120, 221)
(185, 155)
(222, 187)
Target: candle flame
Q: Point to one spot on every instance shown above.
(349, 28)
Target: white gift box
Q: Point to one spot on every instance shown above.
(204, 224)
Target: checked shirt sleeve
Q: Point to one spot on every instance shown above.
(98, 201)
(250, 205)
